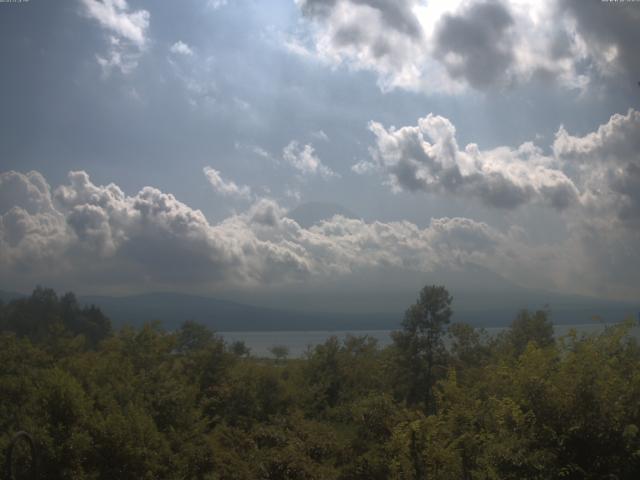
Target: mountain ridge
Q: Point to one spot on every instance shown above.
(172, 308)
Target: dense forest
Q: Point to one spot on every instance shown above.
(444, 401)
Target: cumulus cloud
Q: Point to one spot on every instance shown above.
(30, 191)
(181, 48)
(82, 229)
(82, 233)
(607, 165)
(99, 235)
(305, 160)
(126, 29)
(226, 187)
(31, 229)
(379, 35)
(447, 45)
(594, 178)
(427, 158)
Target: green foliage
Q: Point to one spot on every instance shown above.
(43, 318)
(336, 374)
(240, 349)
(280, 352)
(150, 404)
(420, 347)
(528, 328)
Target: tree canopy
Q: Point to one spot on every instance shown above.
(145, 403)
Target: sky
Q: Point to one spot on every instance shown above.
(164, 146)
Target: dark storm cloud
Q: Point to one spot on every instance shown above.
(476, 44)
(485, 44)
(606, 26)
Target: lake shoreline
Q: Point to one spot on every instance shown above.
(299, 341)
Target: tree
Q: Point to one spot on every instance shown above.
(419, 345)
(240, 349)
(281, 352)
(528, 327)
(44, 317)
(193, 336)
(468, 346)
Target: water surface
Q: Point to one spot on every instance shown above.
(299, 341)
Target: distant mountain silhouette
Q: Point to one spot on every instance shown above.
(308, 214)
(171, 309)
(481, 298)
(488, 308)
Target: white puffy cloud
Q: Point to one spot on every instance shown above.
(593, 180)
(181, 48)
(216, 4)
(363, 167)
(88, 232)
(607, 165)
(305, 160)
(379, 35)
(598, 172)
(427, 158)
(226, 187)
(127, 32)
(31, 229)
(446, 45)
(30, 191)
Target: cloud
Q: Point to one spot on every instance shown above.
(592, 180)
(379, 35)
(88, 234)
(396, 15)
(226, 187)
(609, 34)
(476, 45)
(127, 32)
(216, 4)
(606, 163)
(363, 167)
(31, 229)
(427, 158)
(449, 45)
(320, 135)
(85, 232)
(254, 150)
(181, 48)
(305, 160)
(30, 191)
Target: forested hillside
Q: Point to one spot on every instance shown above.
(147, 403)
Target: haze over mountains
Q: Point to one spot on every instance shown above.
(368, 299)
(495, 303)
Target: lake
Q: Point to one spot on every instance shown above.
(299, 341)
